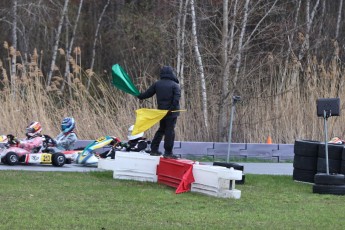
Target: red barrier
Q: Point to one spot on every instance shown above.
(170, 172)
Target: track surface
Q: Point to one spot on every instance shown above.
(249, 168)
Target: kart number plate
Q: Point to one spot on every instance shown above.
(100, 139)
(46, 158)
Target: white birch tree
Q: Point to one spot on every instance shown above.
(57, 39)
(309, 21)
(14, 43)
(180, 43)
(200, 67)
(70, 47)
(95, 41)
(339, 19)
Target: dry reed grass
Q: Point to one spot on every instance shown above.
(279, 101)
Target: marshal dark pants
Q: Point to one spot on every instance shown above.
(166, 129)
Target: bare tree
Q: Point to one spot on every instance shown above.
(95, 40)
(180, 42)
(309, 21)
(57, 39)
(339, 18)
(69, 48)
(200, 67)
(14, 43)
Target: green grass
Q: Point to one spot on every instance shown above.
(62, 200)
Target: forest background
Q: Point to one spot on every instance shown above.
(278, 56)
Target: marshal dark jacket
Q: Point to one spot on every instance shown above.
(167, 91)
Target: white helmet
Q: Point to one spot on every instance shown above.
(130, 137)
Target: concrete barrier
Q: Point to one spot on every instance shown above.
(186, 149)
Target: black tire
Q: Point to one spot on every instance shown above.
(12, 158)
(342, 167)
(305, 163)
(334, 151)
(329, 189)
(229, 165)
(235, 166)
(303, 175)
(333, 165)
(343, 155)
(306, 148)
(329, 179)
(58, 159)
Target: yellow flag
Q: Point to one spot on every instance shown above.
(146, 118)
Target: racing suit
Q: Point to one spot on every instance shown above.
(32, 144)
(65, 141)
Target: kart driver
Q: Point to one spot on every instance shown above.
(136, 143)
(66, 139)
(33, 137)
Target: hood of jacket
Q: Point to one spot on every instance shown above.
(167, 72)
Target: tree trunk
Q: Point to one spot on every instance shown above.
(240, 45)
(181, 31)
(95, 41)
(14, 44)
(57, 38)
(200, 67)
(224, 72)
(69, 50)
(339, 19)
(309, 22)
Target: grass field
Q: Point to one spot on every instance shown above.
(62, 200)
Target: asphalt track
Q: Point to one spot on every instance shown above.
(249, 168)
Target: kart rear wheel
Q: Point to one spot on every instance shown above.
(58, 159)
(11, 158)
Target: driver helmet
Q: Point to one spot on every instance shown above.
(67, 124)
(133, 137)
(33, 129)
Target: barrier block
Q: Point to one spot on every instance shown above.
(220, 149)
(192, 148)
(170, 171)
(216, 181)
(236, 166)
(106, 164)
(234, 193)
(138, 166)
(284, 152)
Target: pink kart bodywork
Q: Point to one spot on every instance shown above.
(12, 155)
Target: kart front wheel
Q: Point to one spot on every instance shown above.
(58, 159)
(11, 158)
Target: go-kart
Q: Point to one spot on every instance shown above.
(89, 156)
(11, 154)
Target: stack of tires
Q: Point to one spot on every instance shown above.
(305, 160)
(334, 158)
(329, 184)
(342, 163)
(334, 182)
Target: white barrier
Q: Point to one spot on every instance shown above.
(106, 163)
(138, 166)
(216, 181)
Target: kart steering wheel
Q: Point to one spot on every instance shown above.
(48, 140)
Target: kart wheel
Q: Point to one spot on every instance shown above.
(58, 159)
(11, 158)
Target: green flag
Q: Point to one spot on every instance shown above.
(122, 81)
